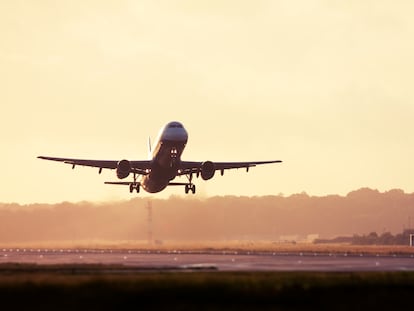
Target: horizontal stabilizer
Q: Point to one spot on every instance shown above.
(126, 183)
(178, 184)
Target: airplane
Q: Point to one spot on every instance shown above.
(164, 164)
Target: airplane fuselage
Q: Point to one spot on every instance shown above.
(166, 157)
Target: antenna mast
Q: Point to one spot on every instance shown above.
(149, 208)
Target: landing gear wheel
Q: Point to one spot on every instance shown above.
(133, 186)
(190, 187)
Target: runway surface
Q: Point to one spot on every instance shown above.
(212, 260)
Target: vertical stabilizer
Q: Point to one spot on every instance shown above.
(149, 148)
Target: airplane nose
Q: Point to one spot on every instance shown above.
(175, 134)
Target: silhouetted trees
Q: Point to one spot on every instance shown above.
(385, 238)
(372, 238)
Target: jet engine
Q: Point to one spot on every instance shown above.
(123, 169)
(207, 170)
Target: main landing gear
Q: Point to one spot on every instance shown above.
(189, 187)
(134, 185)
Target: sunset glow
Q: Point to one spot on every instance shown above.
(325, 86)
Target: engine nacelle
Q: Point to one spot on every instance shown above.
(123, 169)
(207, 170)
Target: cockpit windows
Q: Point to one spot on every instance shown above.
(175, 125)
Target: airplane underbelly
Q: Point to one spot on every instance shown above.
(152, 184)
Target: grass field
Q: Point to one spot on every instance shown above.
(96, 287)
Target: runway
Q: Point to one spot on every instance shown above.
(177, 260)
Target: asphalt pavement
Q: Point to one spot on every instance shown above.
(213, 260)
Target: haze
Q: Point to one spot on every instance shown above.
(229, 218)
(325, 86)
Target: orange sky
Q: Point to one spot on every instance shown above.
(325, 86)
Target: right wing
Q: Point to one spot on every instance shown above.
(188, 167)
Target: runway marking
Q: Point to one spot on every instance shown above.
(223, 260)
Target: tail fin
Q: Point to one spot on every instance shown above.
(149, 148)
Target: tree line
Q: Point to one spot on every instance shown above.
(373, 238)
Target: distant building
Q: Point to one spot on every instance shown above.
(289, 238)
(311, 238)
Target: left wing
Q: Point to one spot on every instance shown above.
(188, 167)
(139, 167)
(143, 167)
